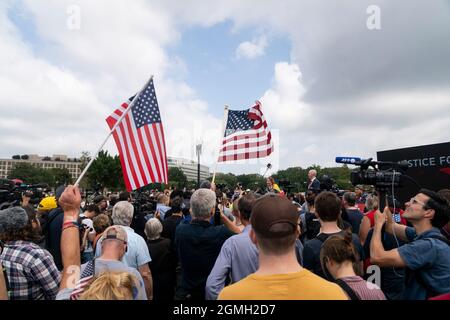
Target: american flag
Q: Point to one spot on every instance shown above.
(85, 279)
(246, 135)
(140, 140)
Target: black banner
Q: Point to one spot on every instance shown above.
(429, 166)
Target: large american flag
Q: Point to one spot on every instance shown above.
(140, 140)
(246, 135)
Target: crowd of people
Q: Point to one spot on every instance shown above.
(204, 245)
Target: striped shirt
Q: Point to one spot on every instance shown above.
(31, 271)
(363, 289)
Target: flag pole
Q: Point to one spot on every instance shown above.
(111, 132)
(224, 125)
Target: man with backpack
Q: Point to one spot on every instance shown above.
(427, 255)
(328, 209)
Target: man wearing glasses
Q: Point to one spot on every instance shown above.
(427, 253)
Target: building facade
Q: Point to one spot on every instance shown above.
(188, 167)
(56, 161)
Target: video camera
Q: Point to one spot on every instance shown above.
(144, 203)
(11, 193)
(383, 175)
(328, 184)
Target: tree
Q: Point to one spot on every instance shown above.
(228, 179)
(105, 171)
(25, 172)
(251, 181)
(60, 176)
(177, 177)
(16, 157)
(32, 175)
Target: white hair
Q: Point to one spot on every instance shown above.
(122, 213)
(153, 229)
(313, 172)
(202, 202)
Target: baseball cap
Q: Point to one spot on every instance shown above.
(14, 218)
(274, 216)
(115, 233)
(47, 204)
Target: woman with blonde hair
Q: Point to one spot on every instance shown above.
(111, 286)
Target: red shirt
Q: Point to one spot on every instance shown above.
(445, 296)
(371, 216)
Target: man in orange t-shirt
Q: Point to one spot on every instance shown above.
(275, 228)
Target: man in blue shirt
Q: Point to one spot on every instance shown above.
(427, 255)
(198, 244)
(238, 256)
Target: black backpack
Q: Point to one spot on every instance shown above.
(312, 225)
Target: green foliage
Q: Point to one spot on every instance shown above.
(177, 177)
(251, 181)
(298, 176)
(106, 171)
(228, 179)
(32, 175)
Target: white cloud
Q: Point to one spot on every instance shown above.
(283, 103)
(345, 91)
(253, 49)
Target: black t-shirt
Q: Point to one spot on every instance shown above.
(162, 256)
(52, 232)
(311, 252)
(169, 226)
(312, 225)
(392, 279)
(162, 266)
(354, 217)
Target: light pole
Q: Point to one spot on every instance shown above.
(198, 150)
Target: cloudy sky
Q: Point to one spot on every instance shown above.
(334, 78)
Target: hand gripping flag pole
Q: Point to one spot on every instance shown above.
(111, 132)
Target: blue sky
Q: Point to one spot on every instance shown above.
(217, 75)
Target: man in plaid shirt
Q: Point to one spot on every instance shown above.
(31, 271)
